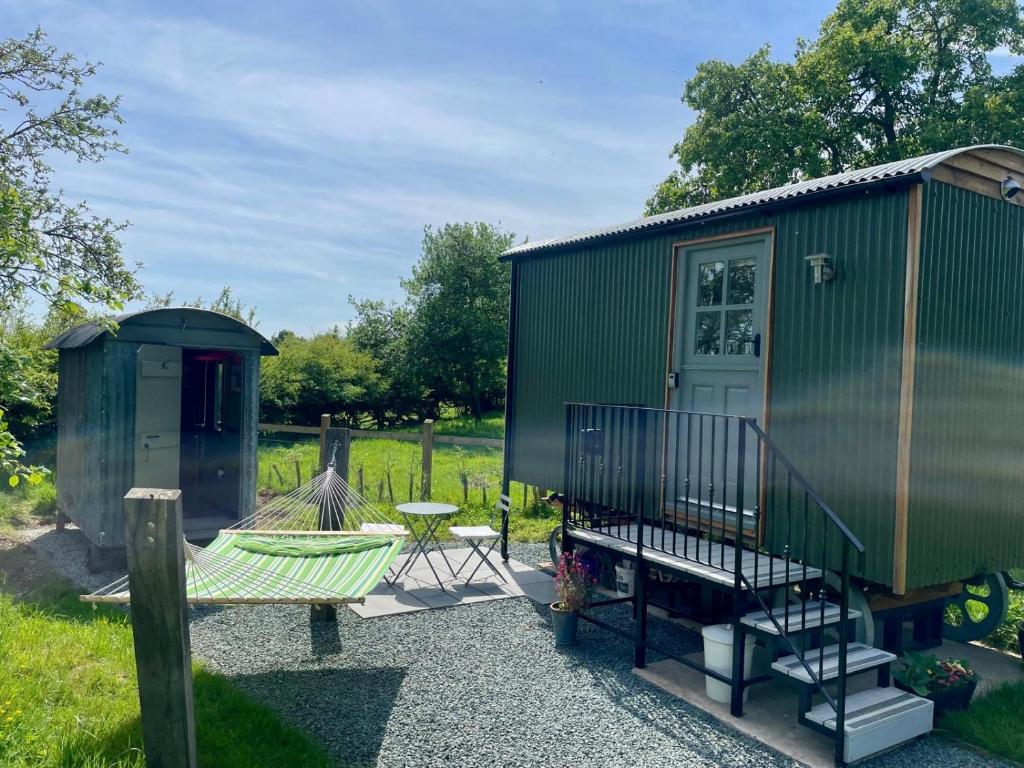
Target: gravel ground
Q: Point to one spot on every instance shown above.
(66, 551)
(483, 685)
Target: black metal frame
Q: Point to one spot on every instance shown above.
(622, 463)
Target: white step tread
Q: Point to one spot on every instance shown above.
(858, 658)
(798, 621)
(877, 719)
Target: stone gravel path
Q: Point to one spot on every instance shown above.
(482, 685)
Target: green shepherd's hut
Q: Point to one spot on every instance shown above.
(168, 400)
(809, 396)
(872, 322)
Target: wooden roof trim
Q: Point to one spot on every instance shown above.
(982, 171)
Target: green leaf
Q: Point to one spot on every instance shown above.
(13, 481)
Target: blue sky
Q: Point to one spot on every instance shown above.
(294, 151)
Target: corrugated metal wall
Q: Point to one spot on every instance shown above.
(967, 462)
(835, 358)
(79, 407)
(118, 436)
(592, 326)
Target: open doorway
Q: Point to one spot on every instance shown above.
(211, 436)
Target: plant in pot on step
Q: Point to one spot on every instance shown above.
(949, 683)
(574, 586)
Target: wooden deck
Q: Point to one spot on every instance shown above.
(711, 561)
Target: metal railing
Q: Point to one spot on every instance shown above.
(714, 491)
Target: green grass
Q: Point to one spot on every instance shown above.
(68, 697)
(373, 461)
(490, 425)
(18, 506)
(993, 721)
(1006, 636)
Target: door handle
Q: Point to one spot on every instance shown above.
(757, 345)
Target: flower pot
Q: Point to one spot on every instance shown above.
(565, 624)
(1020, 639)
(948, 700)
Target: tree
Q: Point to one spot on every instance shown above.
(884, 80)
(50, 247)
(323, 374)
(381, 331)
(458, 323)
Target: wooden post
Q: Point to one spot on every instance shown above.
(328, 437)
(343, 437)
(325, 424)
(428, 458)
(163, 659)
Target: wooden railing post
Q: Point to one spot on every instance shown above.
(163, 659)
(428, 458)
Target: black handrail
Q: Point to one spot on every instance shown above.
(608, 484)
(795, 474)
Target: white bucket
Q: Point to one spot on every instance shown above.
(624, 580)
(718, 658)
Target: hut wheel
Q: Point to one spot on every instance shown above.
(555, 544)
(978, 610)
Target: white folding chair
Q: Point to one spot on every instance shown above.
(478, 535)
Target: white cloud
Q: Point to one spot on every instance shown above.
(298, 178)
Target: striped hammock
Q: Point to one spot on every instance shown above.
(281, 555)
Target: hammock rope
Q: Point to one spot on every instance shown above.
(323, 543)
(326, 503)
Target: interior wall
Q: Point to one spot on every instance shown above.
(212, 392)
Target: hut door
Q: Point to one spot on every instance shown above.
(718, 352)
(157, 416)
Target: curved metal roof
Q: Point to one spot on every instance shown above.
(184, 317)
(915, 166)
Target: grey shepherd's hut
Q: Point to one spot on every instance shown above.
(169, 400)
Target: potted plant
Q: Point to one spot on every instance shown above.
(574, 586)
(949, 683)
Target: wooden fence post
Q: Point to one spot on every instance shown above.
(428, 458)
(163, 658)
(328, 437)
(325, 424)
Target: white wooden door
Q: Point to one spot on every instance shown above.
(720, 325)
(157, 416)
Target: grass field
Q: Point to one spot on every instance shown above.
(388, 472)
(68, 697)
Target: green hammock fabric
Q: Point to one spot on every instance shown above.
(350, 574)
(310, 546)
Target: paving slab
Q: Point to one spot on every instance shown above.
(770, 714)
(387, 601)
(418, 590)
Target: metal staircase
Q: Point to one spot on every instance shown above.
(711, 500)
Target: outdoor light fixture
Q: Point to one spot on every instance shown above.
(821, 263)
(1008, 188)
